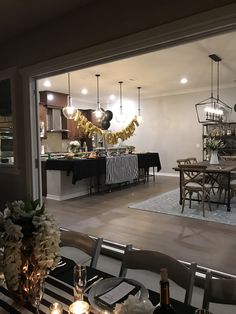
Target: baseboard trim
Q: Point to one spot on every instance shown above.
(168, 174)
(65, 197)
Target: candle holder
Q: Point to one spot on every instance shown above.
(79, 307)
(56, 308)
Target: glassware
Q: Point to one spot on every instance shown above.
(80, 280)
(56, 308)
(79, 307)
(38, 291)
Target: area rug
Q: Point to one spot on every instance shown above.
(168, 203)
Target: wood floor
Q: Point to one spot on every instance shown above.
(108, 215)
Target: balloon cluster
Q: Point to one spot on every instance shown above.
(107, 117)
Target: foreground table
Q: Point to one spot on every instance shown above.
(59, 288)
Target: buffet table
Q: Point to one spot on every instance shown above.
(69, 178)
(59, 288)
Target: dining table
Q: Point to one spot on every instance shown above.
(215, 173)
(59, 288)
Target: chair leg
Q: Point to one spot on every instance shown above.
(190, 199)
(183, 202)
(203, 203)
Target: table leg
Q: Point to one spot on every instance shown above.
(229, 194)
(180, 188)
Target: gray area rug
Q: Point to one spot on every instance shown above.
(168, 203)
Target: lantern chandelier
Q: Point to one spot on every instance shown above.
(213, 109)
(69, 111)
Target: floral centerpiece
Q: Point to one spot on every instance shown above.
(30, 241)
(214, 144)
(74, 147)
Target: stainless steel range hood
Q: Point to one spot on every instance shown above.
(54, 122)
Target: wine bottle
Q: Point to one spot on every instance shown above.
(164, 306)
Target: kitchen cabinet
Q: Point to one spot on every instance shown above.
(78, 133)
(53, 99)
(220, 131)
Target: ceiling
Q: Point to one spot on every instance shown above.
(158, 73)
(17, 17)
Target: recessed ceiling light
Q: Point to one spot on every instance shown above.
(84, 91)
(47, 83)
(184, 80)
(50, 97)
(112, 97)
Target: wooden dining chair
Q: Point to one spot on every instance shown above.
(221, 291)
(154, 261)
(193, 181)
(83, 242)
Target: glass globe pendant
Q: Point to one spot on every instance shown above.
(69, 111)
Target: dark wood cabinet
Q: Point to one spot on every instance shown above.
(77, 132)
(53, 99)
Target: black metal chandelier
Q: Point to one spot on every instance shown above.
(213, 109)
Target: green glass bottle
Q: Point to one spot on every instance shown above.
(164, 306)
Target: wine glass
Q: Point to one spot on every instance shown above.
(80, 280)
(38, 293)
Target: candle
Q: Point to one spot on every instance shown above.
(56, 308)
(79, 307)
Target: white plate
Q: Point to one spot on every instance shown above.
(107, 284)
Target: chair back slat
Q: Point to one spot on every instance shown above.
(154, 261)
(221, 291)
(83, 242)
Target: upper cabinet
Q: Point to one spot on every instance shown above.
(52, 118)
(53, 99)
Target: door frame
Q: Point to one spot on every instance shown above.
(189, 29)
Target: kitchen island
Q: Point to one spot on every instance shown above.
(69, 178)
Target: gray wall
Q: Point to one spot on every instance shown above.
(99, 22)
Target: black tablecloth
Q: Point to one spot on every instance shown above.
(80, 168)
(147, 160)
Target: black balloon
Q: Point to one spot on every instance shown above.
(105, 124)
(108, 115)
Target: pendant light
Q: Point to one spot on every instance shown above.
(69, 111)
(121, 106)
(139, 117)
(98, 112)
(213, 109)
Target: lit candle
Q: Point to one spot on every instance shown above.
(79, 307)
(56, 308)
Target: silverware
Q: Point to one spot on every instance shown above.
(60, 264)
(92, 284)
(94, 277)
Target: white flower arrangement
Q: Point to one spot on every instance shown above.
(22, 223)
(74, 146)
(133, 305)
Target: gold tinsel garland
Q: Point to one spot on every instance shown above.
(112, 137)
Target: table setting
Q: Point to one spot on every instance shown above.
(36, 279)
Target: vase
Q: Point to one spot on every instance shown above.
(214, 160)
(29, 287)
